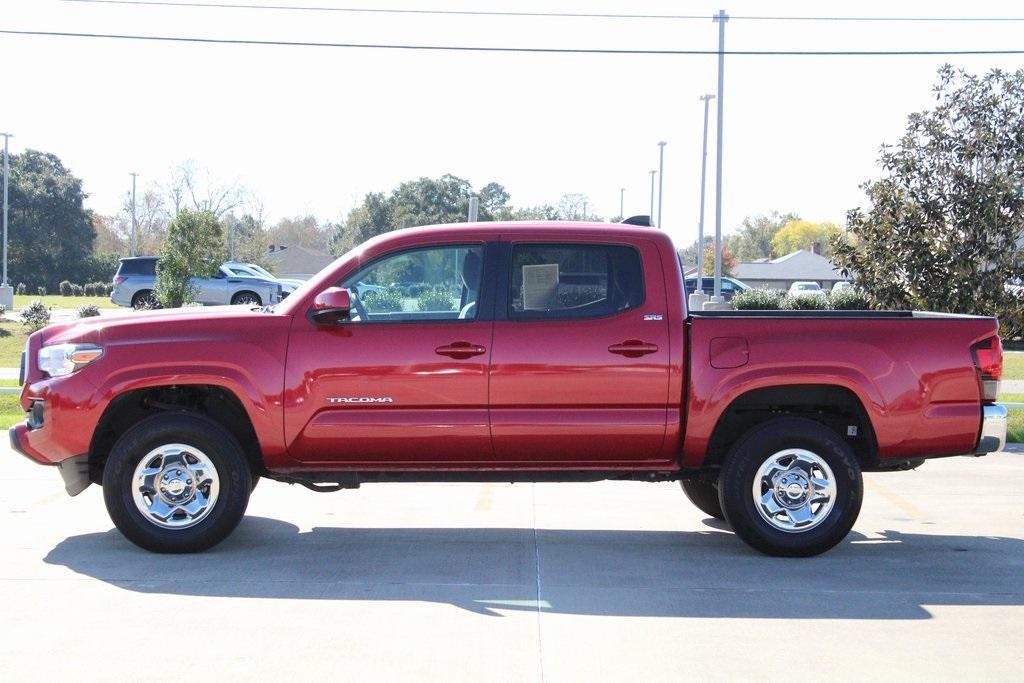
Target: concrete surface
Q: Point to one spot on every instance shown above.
(560, 582)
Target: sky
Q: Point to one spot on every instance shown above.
(312, 129)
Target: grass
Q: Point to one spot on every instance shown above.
(57, 301)
(1015, 425)
(12, 342)
(10, 409)
(1013, 365)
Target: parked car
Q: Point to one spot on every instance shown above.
(766, 418)
(730, 286)
(135, 281)
(842, 286)
(806, 288)
(288, 285)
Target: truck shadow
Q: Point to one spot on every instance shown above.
(707, 573)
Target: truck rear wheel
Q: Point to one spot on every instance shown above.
(704, 495)
(791, 488)
(176, 483)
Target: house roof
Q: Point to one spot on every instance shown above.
(298, 259)
(800, 265)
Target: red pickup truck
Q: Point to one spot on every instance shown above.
(505, 352)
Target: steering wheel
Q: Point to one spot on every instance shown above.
(360, 309)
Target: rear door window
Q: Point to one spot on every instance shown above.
(552, 281)
(137, 267)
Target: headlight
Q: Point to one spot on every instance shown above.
(63, 359)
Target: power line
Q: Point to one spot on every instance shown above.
(536, 50)
(515, 13)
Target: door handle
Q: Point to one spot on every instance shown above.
(633, 348)
(460, 350)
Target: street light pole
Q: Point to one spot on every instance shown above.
(622, 202)
(651, 216)
(134, 222)
(721, 18)
(661, 177)
(703, 177)
(7, 173)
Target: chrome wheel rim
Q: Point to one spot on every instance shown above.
(794, 490)
(175, 486)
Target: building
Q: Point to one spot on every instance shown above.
(780, 273)
(297, 262)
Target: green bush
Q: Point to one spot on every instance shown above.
(805, 302)
(20, 289)
(437, 299)
(36, 315)
(41, 291)
(88, 311)
(384, 301)
(759, 300)
(77, 290)
(194, 247)
(849, 300)
(65, 288)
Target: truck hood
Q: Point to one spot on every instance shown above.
(146, 324)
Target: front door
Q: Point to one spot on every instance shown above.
(402, 383)
(580, 365)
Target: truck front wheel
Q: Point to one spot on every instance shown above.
(176, 483)
(704, 495)
(791, 487)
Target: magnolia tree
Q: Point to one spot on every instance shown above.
(194, 247)
(944, 228)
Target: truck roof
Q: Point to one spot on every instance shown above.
(527, 227)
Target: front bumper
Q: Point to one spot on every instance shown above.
(993, 429)
(74, 471)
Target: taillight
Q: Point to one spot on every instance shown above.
(118, 279)
(988, 360)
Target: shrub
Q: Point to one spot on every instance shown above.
(385, 301)
(89, 289)
(41, 291)
(849, 300)
(65, 288)
(571, 298)
(88, 311)
(805, 302)
(759, 300)
(36, 315)
(437, 299)
(77, 290)
(20, 289)
(194, 247)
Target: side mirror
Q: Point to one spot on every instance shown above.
(331, 305)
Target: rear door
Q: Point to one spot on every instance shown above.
(580, 360)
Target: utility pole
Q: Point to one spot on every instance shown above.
(721, 18)
(661, 176)
(622, 203)
(135, 223)
(651, 216)
(584, 209)
(6, 293)
(474, 209)
(703, 177)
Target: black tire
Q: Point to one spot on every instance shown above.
(144, 299)
(219, 446)
(735, 487)
(704, 495)
(251, 298)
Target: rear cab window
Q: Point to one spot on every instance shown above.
(573, 281)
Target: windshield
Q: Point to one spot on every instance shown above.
(808, 287)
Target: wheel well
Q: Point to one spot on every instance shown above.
(216, 403)
(835, 407)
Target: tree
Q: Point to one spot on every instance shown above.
(303, 231)
(246, 238)
(729, 261)
(194, 248)
(202, 191)
(753, 239)
(799, 234)
(50, 231)
(944, 227)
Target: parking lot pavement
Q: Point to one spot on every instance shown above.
(489, 582)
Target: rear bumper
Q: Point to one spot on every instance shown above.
(993, 429)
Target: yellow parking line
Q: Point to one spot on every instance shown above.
(896, 499)
(485, 499)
